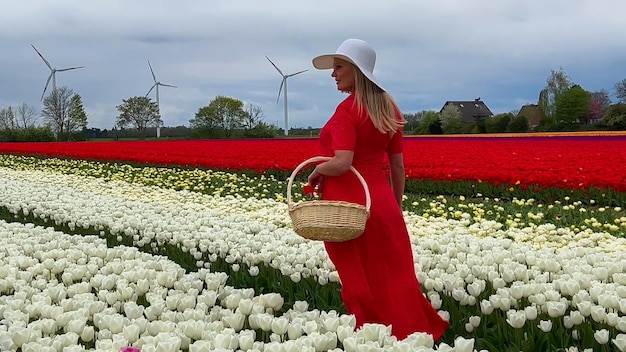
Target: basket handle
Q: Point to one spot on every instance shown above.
(368, 199)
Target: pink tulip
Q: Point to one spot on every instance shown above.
(130, 349)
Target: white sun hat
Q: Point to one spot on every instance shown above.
(355, 51)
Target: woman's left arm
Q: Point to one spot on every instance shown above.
(336, 166)
(396, 168)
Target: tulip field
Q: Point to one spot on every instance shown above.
(187, 245)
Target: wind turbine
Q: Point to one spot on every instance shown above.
(156, 85)
(283, 86)
(53, 72)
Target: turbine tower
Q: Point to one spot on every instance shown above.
(283, 87)
(156, 86)
(53, 72)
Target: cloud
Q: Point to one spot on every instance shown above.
(428, 51)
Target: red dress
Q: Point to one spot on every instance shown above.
(378, 281)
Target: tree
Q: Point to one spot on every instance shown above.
(451, 119)
(77, 120)
(254, 125)
(253, 116)
(571, 106)
(620, 91)
(429, 124)
(139, 112)
(413, 120)
(600, 102)
(56, 111)
(7, 119)
(223, 113)
(25, 116)
(616, 117)
(557, 84)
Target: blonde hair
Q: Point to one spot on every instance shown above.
(379, 104)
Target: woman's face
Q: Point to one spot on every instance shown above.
(344, 75)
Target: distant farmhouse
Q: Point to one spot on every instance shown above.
(471, 110)
(533, 113)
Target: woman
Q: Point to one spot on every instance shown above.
(376, 270)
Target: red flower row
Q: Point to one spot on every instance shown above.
(566, 162)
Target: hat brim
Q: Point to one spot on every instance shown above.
(327, 61)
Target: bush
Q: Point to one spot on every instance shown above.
(29, 134)
(498, 123)
(615, 117)
(429, 124)
(518, 124)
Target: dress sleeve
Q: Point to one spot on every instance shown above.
(343, 129)
(395, 144)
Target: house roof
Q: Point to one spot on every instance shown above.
(470, 109)
(533, 114)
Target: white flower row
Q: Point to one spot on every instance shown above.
(61, 291)
(573, 276)
(249, 231)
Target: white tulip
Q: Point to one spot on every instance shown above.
(48, 326)
(76, 326)
(621, 324)
(462, 344)
(310, 327)
(245, 306)
(6, 342)
(264, 321)
(246, 339)
(516, 319)
(486, 307)
(31, 347)
(294, 330)
(131, 333)
(350, 344)
(601, 336)
(556, 309)
(69, 339)
(343, 332)
(545, 325)
(19, 335)
(88, 334)
(475, 320)
(620, 342)
(330, 323)
(420, 339)
(235, 320)
(531, 312)
(584, 308)
(598, 314)
(223, 340)
(476, 288)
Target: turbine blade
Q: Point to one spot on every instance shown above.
(153, 76)
(276, 67)
(297, 73)
(280, 89)
(167, 85)
(151, 88)
(70, 68)
(43, 58)
(46, 86)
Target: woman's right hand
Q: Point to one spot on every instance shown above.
(316, 180)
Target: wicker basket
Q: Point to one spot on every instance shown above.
(325, 220)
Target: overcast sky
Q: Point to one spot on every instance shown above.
(428, 51)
